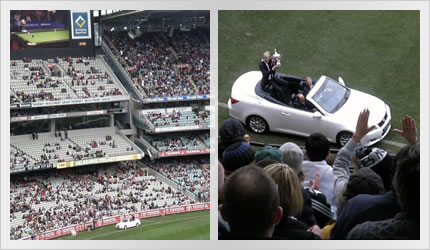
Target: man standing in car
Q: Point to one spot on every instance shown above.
(268, 68)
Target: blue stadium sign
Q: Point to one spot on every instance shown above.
(81, 24)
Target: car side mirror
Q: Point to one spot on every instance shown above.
(341, 81)
(317, 115)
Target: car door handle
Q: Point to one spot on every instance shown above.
(285, 114)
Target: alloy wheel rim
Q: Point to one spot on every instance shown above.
(257, 125)
(344, 139)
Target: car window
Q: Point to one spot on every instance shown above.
(331, 95)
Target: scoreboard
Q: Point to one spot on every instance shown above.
(57, 33)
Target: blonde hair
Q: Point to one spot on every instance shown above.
(266, 54)
(290, 193)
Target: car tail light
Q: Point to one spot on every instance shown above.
(233, 101)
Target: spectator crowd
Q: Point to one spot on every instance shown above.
(45, 201)
(193, 175)
(164, 67)
(295, 194)
(61, 79)
(177, 142)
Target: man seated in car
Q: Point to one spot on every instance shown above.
(307, 86)
(300, 103)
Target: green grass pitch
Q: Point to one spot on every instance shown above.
(186, 226)
(40, 37)
(377, 52)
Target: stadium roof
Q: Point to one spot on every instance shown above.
(155, 20)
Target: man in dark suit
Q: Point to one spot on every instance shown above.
(306, 88)
(268, 69)
(300, 103)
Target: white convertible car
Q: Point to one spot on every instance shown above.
(128, 224)
(334, 109)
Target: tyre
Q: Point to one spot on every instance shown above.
(257, 124)
(125, 227)
(342, 138)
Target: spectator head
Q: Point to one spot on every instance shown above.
(365, 181)
(268, 152)
(291, 198)
(292, 156)
(237, 155)
(406, 180)
(264, 163)
(317, 147)
(231, 131)
(378, 160)
(220, 180)
(251, 203)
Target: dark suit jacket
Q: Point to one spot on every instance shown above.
(305, 90)
(266, 72)
(298, 105)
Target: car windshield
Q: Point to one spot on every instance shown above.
(331, 96)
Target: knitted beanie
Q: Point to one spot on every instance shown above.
(365, 181)
(268, 152)
(231, 131)
(378, 160)
(237, 155)
(293, 156)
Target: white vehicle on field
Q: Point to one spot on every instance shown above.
(334, 109)
(128, 223)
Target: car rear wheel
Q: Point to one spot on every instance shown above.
(125, 227)
(343, 138)
(257, 124)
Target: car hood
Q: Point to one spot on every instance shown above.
(358, 101)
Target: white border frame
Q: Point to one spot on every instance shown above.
(214, 6)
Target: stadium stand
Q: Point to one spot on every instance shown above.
(190, 175)
(75, 109)
(50, 149)
(68, 198)
(66, 78)
(178, 70)
(173, 119)
(185, 143)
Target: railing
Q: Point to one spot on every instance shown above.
(153, 153)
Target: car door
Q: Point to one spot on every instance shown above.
(300, 122)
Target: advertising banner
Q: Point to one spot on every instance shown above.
(81, 24)
(185, 152)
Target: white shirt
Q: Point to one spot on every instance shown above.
(310, 168)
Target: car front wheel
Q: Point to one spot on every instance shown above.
(257, 124)
(343, 138)
(125, 227)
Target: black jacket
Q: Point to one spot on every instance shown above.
(293, 229)
(267, 71)
(362, 208)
